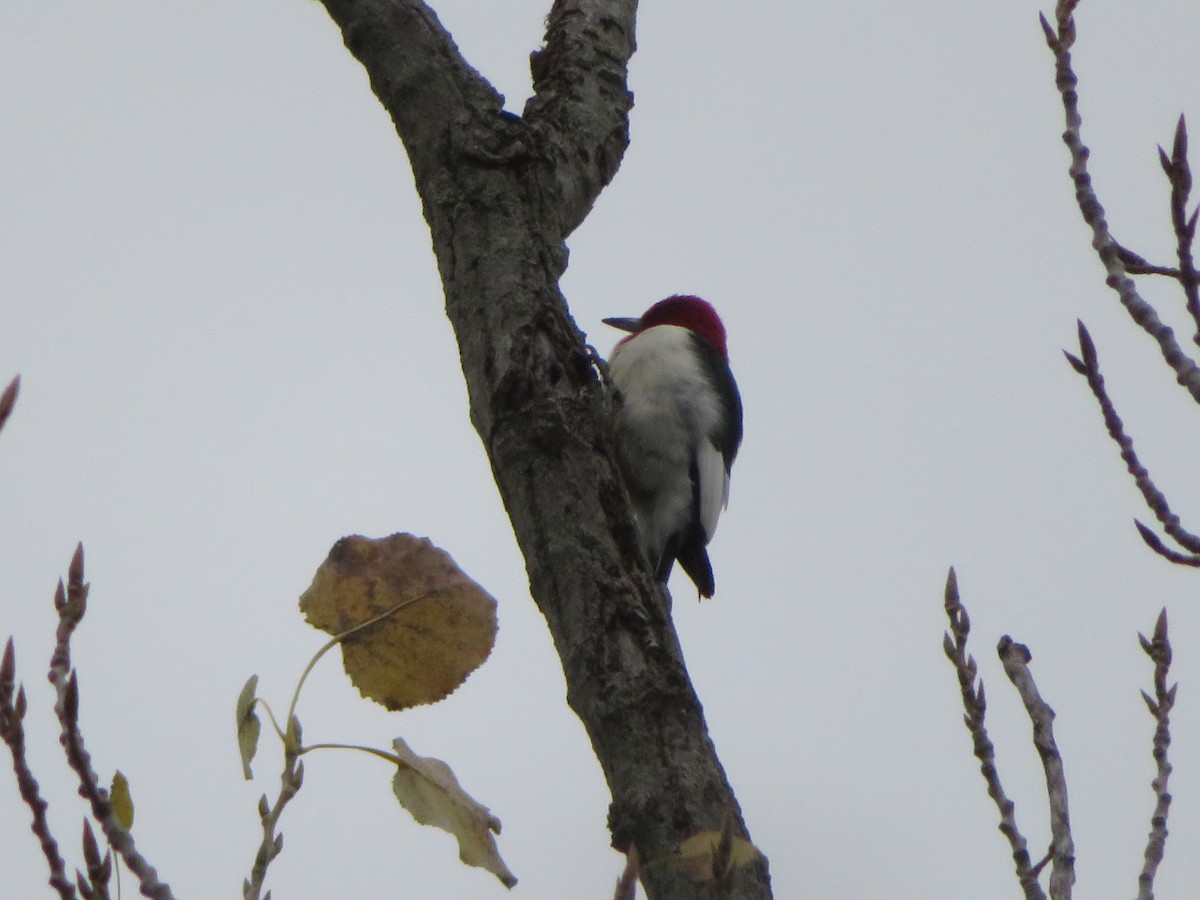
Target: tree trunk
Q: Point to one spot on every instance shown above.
(501, 193)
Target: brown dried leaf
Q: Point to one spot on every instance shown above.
(434, 627)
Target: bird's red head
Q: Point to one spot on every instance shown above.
(685, 311)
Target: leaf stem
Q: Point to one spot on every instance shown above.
(270, 715)
(382, 754)
(337, 639)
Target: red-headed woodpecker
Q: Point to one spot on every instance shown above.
(678, 428)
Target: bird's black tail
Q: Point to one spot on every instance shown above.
(689, 550)
(694, 560)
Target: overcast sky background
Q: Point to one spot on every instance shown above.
(217, 286)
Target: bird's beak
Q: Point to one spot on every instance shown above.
(624, 324)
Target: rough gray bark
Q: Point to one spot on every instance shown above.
(500, 194)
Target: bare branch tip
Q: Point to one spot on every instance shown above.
(8, 666)
(1087, 346)
(1076, 363)
(1147, 534)
(9, 398)
(1048, 29)
(91, 851)
(951, 587)
(1007, 647)
(75, 571)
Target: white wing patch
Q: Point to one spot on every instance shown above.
(714, 486)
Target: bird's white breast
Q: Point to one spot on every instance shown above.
(669, 410)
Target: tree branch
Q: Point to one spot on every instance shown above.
(71, 604)
(1158, 649)
(578, 72)
(1060, 39)
(290, 780)
(436, 100)
(1179, 174)
(1155, 543)
(500, 194)
(1138, 265)
(955, 645)
(12, 732)
(1087, 364)
(1016, 658)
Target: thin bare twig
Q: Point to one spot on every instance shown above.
(627, 884)
(1138, 265)
(292, 776)
(1158, 648)
(1089, 367)
(71, 604)
(1119, 263)
(1179, 174)
(12, 732)
(94, 885)
(1155, 543)
(1060, 38)
(1016, 658)
(271, 845)
(975, 705)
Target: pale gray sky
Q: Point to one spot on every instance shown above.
(218, 289)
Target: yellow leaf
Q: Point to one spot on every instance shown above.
(121, 800)
(434, 626)
(428, 789)
(704, 856)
